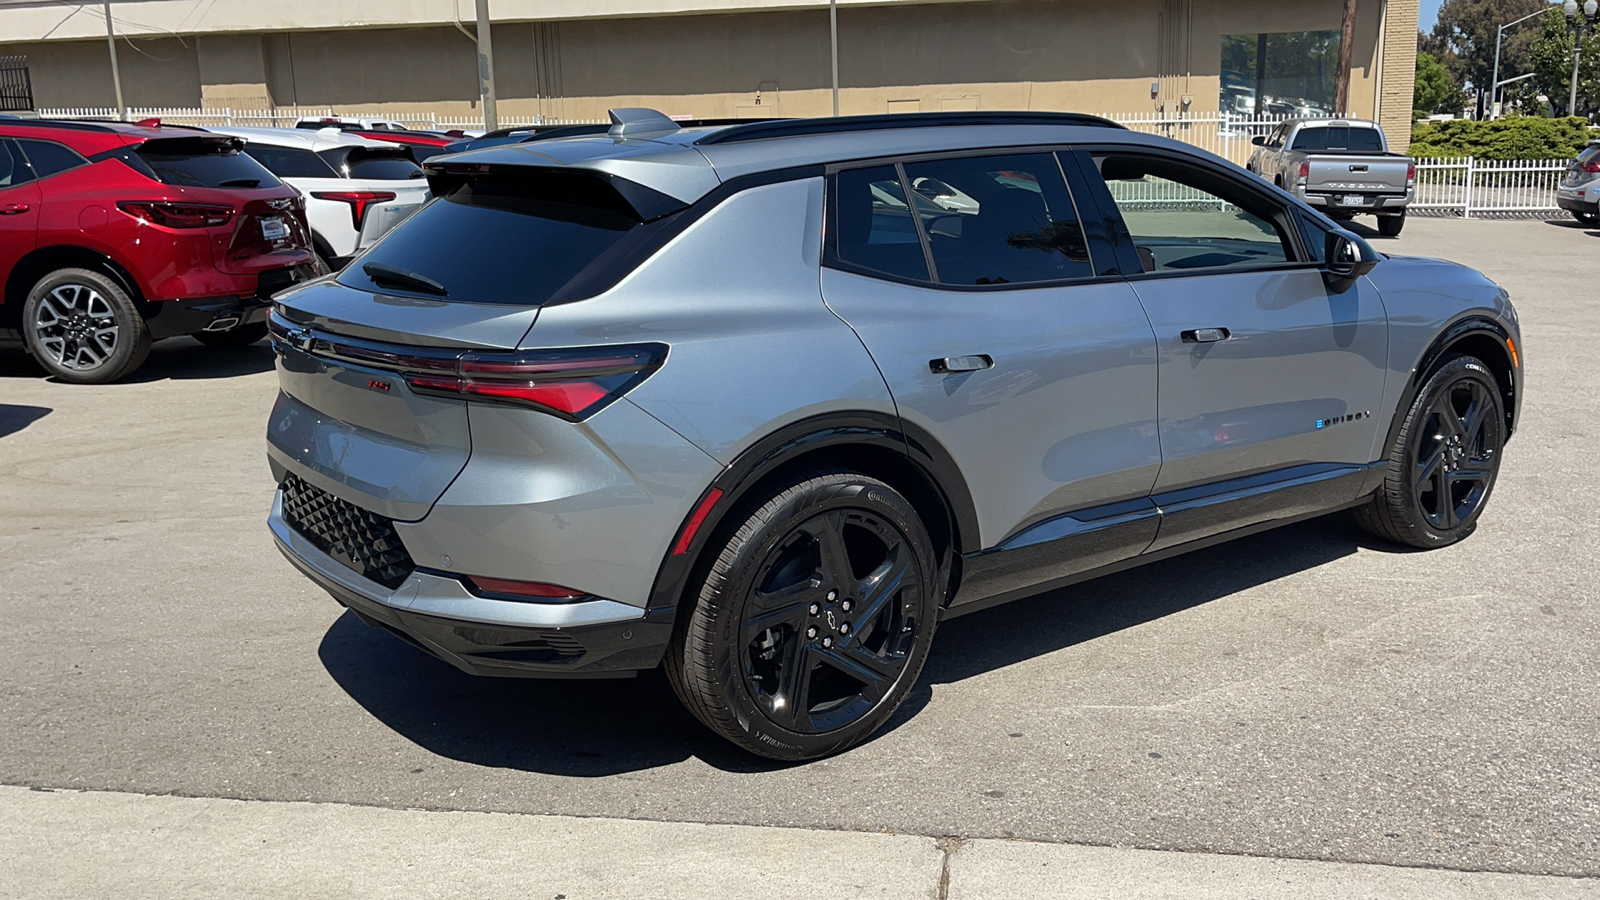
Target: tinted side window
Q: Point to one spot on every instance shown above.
(13, 170)
(873, 227)
(999, 220)
(50, 158)
(1187, 219)
(287, 162)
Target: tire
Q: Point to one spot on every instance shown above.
(234, 338)
(1391, 226)
(790, 593)
(82, 327)
(1442, 467)
(1591, 219)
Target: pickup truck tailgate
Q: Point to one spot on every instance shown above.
(1358, 174)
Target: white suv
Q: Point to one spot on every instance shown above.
(356, 189)
(351, 124)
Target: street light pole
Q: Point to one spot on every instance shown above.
(1591, 9)
(833, 40)
(1494, 95)
(491, 115)
(116, 71)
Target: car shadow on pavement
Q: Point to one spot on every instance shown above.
(1009, 634)
(578, 728)
(1572, 225)
(15, 418)
(600, 728)
(178, 359)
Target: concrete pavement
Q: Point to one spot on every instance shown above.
(93, 845)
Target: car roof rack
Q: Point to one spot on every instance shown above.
(757, 131)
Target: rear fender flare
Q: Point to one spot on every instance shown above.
(805, 438)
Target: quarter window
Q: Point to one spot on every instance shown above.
(1185, 219)
(999, 220)
(874, 228)
(50, 158)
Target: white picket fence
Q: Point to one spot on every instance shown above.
(1465, 187)
(1477, 187)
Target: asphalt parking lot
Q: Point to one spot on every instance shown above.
(1307, 693)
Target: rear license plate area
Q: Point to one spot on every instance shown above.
(273, 228)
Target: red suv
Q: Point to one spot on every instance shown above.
(114, 235)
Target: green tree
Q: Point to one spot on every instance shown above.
(1550, 57)
(1469, 28)
(1437, 91)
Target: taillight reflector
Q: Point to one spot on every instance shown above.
(570, 383)
(360, 201)
(534, 589)
(177, 215)
(695, 521)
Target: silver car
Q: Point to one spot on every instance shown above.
(721, 400)
(1579, 192)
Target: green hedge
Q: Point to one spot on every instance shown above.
(1512, 137)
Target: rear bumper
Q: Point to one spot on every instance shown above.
(1371, 203)
(174, 318)
(1578, 204)
(593, 638)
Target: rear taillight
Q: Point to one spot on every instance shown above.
(1592, 166)
(1305, 171)
(178, 215)
(1411, 171)
(572, 384)
(360, 201)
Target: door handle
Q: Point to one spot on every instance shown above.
(14, 209)
(1205, 335)
(960, 364)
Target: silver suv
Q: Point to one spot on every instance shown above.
(762, 404)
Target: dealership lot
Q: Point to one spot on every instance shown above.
(1306, 693)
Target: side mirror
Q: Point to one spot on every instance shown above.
(1348, 258)
(1259, 140)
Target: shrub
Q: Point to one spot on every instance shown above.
(1511, 137)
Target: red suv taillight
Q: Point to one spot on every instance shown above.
(572, 384)
(178, 215)
(360, 201)
(1592, 166)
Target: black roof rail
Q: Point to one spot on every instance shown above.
(757, 131)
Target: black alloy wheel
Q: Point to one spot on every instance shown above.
(1444, 463)
(814, 621)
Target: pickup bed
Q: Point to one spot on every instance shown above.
(1341, 166)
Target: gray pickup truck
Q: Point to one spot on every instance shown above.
(1341, 166)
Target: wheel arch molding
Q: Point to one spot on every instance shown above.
(1472, 334)
(44, 260)
(874, 443)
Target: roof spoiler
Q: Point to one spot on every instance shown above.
(638, 123)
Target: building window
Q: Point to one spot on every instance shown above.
(1284, 74)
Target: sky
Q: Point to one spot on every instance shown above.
(1430, 14)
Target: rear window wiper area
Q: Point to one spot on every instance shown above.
(405, 279)
(241, 183)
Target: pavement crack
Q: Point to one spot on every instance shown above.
(948, 847)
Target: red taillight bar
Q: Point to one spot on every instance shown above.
(571, 383)
(360, 201)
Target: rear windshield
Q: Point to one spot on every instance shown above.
(380, 165)
(1339, 137)
(204, 162)
(1587, 156)
(515, 241)
(289, 162)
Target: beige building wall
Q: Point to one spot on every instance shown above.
(1128, 57)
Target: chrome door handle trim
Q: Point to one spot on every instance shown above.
(1205, 335)
(952, 364)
